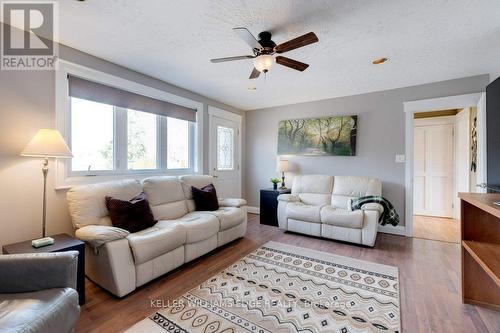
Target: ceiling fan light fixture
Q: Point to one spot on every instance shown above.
(263, 62)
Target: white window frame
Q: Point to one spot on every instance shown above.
(66, 178)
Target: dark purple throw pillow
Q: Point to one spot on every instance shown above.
(133, 215)
(205, 198)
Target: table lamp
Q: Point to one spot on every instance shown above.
(282, 166)
(47, 143)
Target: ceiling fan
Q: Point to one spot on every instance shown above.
(264, 49)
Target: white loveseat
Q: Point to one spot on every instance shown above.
(120, 261)
(320, 206)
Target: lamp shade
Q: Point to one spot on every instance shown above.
(282, 166)
(47, 143)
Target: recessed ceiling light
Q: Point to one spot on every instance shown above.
(252, 88)
(380, 61)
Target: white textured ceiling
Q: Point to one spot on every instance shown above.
(426, 41)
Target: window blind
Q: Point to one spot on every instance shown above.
(101, 93)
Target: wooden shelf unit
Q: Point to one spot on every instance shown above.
(480, 234)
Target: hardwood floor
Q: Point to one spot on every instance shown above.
(436, 228)
(429, 282)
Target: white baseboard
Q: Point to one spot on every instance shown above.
(394, 230)
(253, 210)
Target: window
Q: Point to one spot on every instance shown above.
(92, 135)
(225, 148)
(119, 129)
(177, 143)
(107, 139)
(142, 138)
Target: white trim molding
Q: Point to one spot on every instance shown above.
(253, 209)
(410, 107)
(399, 230)
(62, 103)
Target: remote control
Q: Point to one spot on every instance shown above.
(42, 242)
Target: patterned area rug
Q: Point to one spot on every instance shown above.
(283, 288)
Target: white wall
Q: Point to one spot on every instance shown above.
(27, 104)
(380, 136)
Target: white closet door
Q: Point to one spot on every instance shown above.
(433, 175)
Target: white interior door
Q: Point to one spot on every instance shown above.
(224, 150)
(433, 170)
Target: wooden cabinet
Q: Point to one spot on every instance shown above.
(480, 246)
(269, 205)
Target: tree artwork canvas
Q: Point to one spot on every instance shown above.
(318, 136)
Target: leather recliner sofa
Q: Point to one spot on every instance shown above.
(319, 205)
(120, 261)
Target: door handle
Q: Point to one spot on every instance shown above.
(215, 176)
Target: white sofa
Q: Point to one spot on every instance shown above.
(120, 261)
(320, 206)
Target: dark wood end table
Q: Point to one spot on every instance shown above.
(269, 205)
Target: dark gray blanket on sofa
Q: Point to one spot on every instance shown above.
(389, 216)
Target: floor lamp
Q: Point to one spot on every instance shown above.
(47, 143)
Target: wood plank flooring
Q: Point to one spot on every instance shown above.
(429, 281)
(436, 228)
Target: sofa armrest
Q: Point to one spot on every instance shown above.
(288, 197)
(21, 273)
(96, 235)
(373, 206)
(232, 202)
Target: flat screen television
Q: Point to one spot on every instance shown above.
(493, 135)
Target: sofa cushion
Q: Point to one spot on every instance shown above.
(87, 205)
(342, 217)
(228, 217)
(194, 180)
(45, 311)
(205, 198)
(199, 226)
(132, 215)
(153, 242)
(166, 196)
(302, 212)
(313, 189)
(350, 187)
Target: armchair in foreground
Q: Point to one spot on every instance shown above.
(37, 292)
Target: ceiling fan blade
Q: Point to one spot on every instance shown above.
(295, 43)
(232, 58)
(255, 74)
(247, 36)
(294, 64)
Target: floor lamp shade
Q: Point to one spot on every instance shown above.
(46, 143)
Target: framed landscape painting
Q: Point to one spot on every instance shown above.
(318, 136)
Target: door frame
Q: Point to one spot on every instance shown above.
(409, 108)
(227, 115)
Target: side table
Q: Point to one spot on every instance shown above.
(269, 205)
